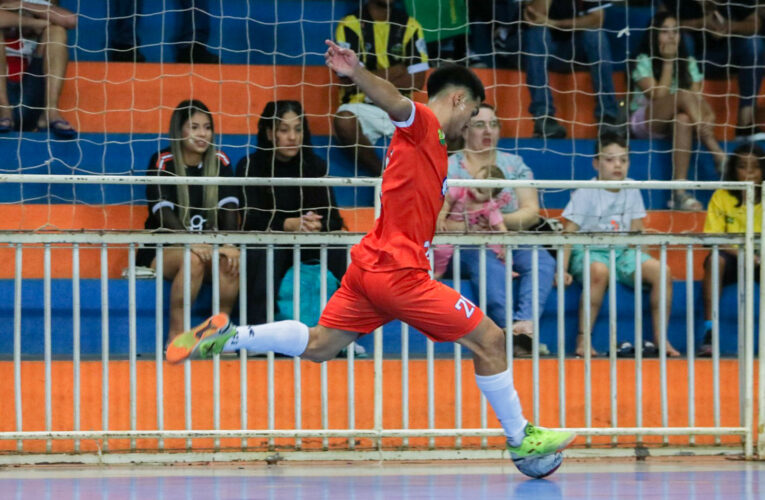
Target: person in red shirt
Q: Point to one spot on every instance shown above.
(388, 277)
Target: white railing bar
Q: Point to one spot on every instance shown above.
(187, 326)
(588, 322)
(362, 433)
(323, 368)
(690, 338)
(749, 325)
(741, 334)
(17, 343)
(761, 351)
(482, 305)
(378, 387)
(663, 337)
(270, 355)
(105, 341)
(716, 336)
(76, 340)
(612, 336)
(639, 338)
(296, 368)
(243, 352)
(159, 338)
(351, 374)
(132, 338)
(457, 284)
(561, 338)
(405, 381)
(215, 278)
(535, 337)
(361, 182)
(47, 341)
(509, 335)
(429, 367)
(345, 238)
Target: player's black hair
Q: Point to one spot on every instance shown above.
(457, 76)
(609, 138)
(734, 160)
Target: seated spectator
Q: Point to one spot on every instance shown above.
(568, 31)
(723, 35)
(727, 214)
(669, 102)
(36, 56)
(601, 210)
(284, 150)
(192, 208)
(391, 45)
(494, 39)
(520, 211)
(192, 32)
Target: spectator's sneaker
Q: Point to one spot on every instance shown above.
(540, 442)
(547, 127)
(705, 351)
(201, 341)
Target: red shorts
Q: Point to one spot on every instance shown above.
(367, 300)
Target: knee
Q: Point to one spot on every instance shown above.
(683, 119)
(346, 126)
(197, 268)
(599, 274)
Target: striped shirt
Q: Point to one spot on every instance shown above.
(382, 44)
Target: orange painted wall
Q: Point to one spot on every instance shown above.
(33, 398)
(123, 97)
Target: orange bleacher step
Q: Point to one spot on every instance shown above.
(124, 98)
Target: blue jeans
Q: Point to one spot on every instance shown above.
(587, 46)
(745, 53)
(495, 281)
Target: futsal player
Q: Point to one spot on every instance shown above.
(388, 276)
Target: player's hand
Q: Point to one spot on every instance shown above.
(567, 279)
(343, 61)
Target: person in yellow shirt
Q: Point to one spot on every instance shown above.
(390, 44)
(727, 214)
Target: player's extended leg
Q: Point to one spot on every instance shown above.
(289, 337)
(495, 380)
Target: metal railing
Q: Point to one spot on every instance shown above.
(378, 433)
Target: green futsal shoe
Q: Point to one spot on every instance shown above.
(540, 442)
(202, 341)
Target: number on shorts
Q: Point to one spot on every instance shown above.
(465, 305)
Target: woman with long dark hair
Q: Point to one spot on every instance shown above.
(668, 101)
(284, 150)
(192, 208)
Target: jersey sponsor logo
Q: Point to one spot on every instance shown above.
(441, 137)
(465, 305)
(197, 223)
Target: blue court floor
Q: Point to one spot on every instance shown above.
(693, 478)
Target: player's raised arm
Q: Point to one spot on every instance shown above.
(380, 91)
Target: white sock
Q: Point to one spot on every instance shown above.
(284, 337)
(503, 398)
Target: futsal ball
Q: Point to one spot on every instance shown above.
(539, 467)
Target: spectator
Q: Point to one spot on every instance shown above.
(669, 102)
(727, 214)
(723, 35)
(520, 211)
(605, 210)
(36, 58)
(476, 209)
(569, 31)
(192, 208)
(391, 45)
(284, 150)
(495, 34)
(192, 32)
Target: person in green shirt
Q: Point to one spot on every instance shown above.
(727, 214)
(668, 102)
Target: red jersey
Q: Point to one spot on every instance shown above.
(413, 189)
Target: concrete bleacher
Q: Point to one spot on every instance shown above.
(122, 111)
